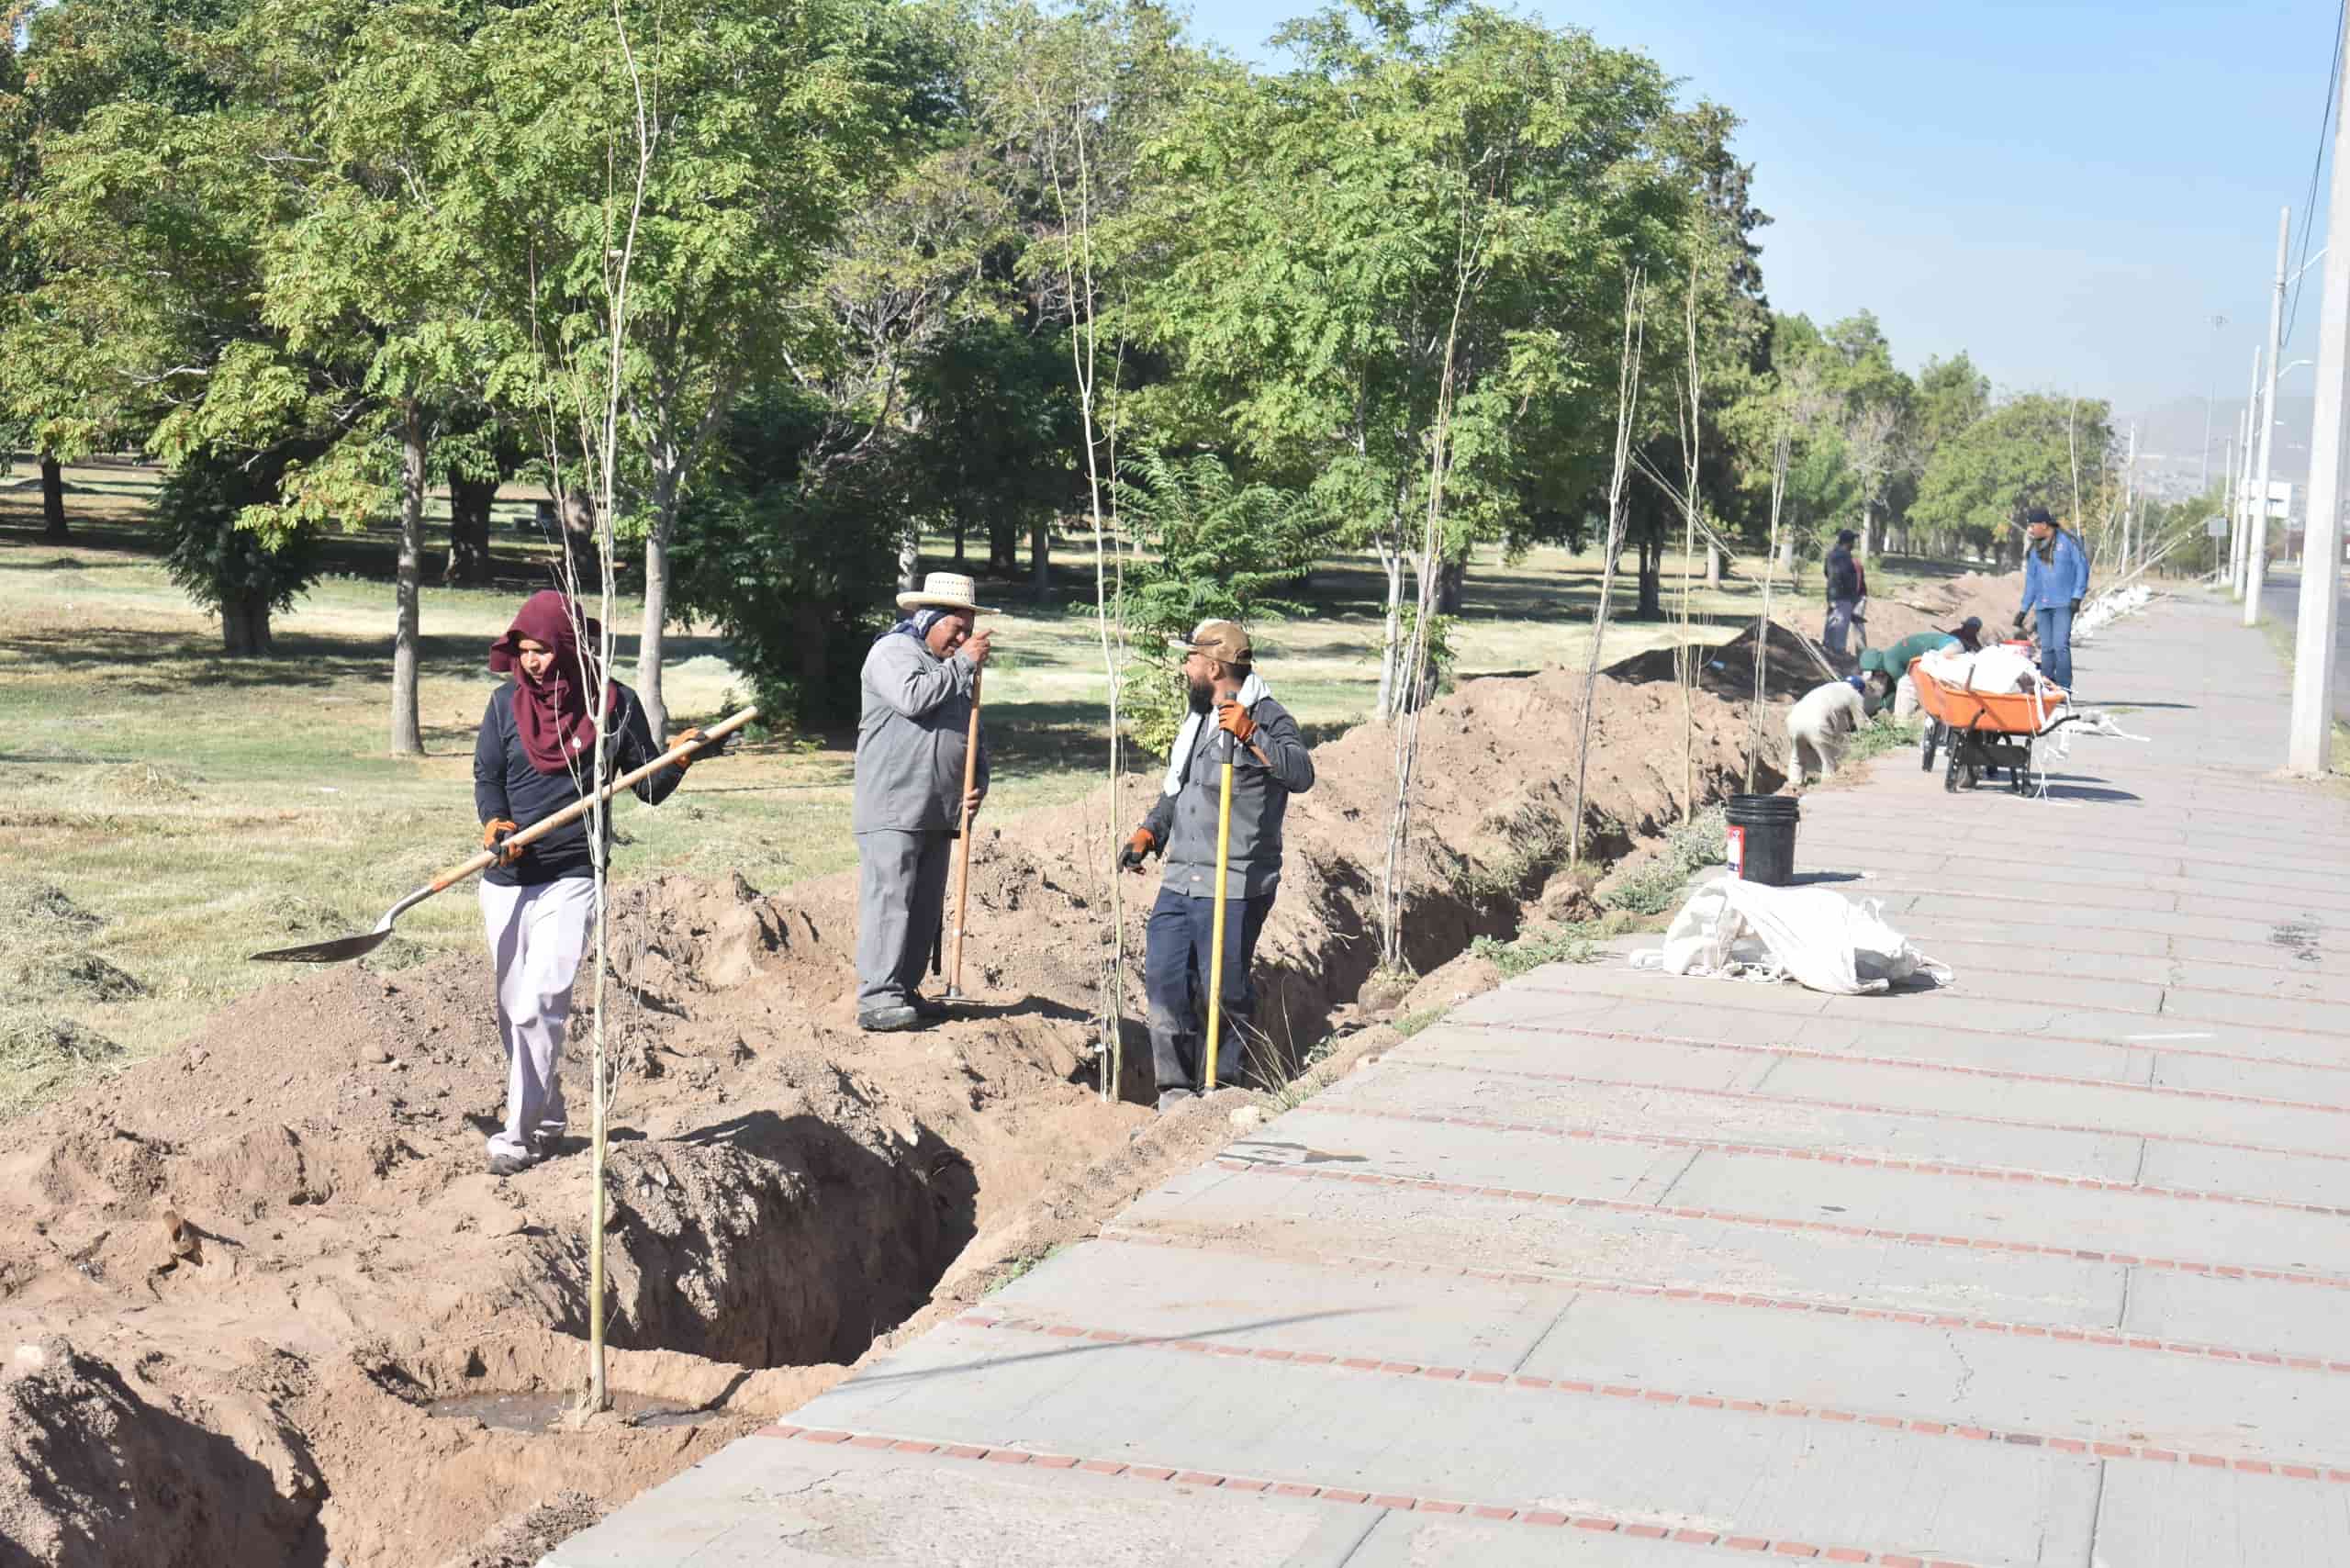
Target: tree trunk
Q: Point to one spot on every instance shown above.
(960, 529)
(668, 483)
(1040, 559)
(469, 503)
(1451, 581)
(1652, 604)
(245, 627)
(811, 632)
(909, 557)
(407, 736)
(1003, 548)
(1713, 565)
(52, 498)
(1391, 563)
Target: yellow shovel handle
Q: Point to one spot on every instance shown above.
(1215, 963)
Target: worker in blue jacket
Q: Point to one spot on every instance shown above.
(2056, 580)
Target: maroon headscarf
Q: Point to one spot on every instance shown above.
(551, 715)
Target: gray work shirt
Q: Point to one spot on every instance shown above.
(910, 736)
(1184, 824)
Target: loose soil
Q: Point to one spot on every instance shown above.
(240, 1280)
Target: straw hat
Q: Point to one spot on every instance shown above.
(945, 591)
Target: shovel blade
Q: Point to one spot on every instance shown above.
(332, 952)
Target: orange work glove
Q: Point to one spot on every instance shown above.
(709, 749)
(494, 834)
(1140, 844)
(1233, 721)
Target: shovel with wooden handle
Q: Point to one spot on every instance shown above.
(341, 948)
(954, 992)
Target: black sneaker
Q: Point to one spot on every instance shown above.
(888, 1020)
(508, 1164)
(930, 1008)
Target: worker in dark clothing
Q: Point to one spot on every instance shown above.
(1232, 715)
(1847, 586)
(536, 755)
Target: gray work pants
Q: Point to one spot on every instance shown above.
(1839, 625)
(900, 894)
(537, 936)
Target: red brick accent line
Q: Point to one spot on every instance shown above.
(1637, 1037)
(1554, 1278)
(1015, 1324)
(1730, 1216)
(1406, 1058)
(1538, 1518)
(1825, 1157)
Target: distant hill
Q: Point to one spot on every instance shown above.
(2170, 441)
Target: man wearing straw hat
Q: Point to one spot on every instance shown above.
(1232, 715)
(919, 683)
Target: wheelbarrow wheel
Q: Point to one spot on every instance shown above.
(1933, 739)
(1957, 775)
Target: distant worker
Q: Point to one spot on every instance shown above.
(1889, 668)
(1848, 584)
(536, 755)
(908, 802)
(1818, 728)
(1232, 715)
(2056, 580)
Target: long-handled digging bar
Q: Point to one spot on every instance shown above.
(1215, 959)
(954, 992)
(341, 948)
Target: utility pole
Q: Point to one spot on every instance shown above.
(2252, 413)
(2309, 735)
(2256, 566)
(2231, 498)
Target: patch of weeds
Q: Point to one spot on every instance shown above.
(1545, 945)
(1534, 839)
(1024, 1264)
(1655, 886)
(1886, 735)
(1411, 1025)
(142, 782)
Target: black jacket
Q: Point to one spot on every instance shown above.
(506, 785)
(1184, 824)
(1843, 575)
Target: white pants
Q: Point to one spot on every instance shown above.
(536, 937)
(1905, 701)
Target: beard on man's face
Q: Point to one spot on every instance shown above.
(1203, 695)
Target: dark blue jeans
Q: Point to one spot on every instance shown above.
(1178, 945)
(2056, 644)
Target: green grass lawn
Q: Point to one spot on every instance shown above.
(203, 808)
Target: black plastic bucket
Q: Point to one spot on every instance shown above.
(1762, 838)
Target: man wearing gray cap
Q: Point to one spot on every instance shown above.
(918, 682)
(1233, 716)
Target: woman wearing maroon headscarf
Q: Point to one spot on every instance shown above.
(534, 757)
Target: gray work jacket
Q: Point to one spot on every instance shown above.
(910, 735)
(1184, 824)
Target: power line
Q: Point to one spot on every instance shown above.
(2317, 167)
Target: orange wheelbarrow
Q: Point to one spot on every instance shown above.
(1980, 731)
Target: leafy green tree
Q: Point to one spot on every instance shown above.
(239, 572)
(2024, 453)
(1218, 549)
(1430, 221)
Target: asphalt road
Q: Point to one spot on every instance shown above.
(2281, 599)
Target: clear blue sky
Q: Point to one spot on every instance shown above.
(2067, 192)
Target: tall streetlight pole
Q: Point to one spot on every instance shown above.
(2256, 564)
(2310, 733)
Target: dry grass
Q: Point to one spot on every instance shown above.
(201, 808)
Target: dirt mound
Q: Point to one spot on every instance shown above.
(1942, 605)
(101, 1474)
(1792, 665)
(288, 1226)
